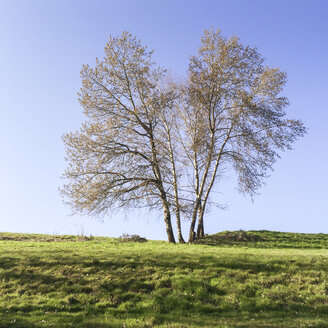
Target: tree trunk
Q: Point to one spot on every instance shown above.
(201, 207)
(191, 230)
(168, 224)
(193, 222)
(175, 184)
(157, 173)
(200, 228)
(179, 232)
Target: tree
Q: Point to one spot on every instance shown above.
(115, 160)
(148, 141)
(233, 117)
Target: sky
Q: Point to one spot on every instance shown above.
(43, 45)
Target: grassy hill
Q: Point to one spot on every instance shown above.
(234, 279)
(267, 239)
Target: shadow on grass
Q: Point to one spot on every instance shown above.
(262, 317)
(165, 262)
(126, 285)
(19, 323)
(277, 319)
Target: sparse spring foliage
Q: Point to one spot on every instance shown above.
(151, 142)
(234, 117)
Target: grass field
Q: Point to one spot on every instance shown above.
(275, 280)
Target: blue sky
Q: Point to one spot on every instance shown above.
(43, 47)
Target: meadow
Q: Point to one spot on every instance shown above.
(237, 280)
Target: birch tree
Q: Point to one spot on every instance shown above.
(168, 139)
(234, 116)
(147, 142)
(115, 159)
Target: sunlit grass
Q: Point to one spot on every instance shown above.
(101, 282)
(267, 239)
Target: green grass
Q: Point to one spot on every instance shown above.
(267, 239)
(67, 281)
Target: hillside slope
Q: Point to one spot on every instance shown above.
(55, 281)
(267, 239)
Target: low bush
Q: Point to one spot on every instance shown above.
(125, 238)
